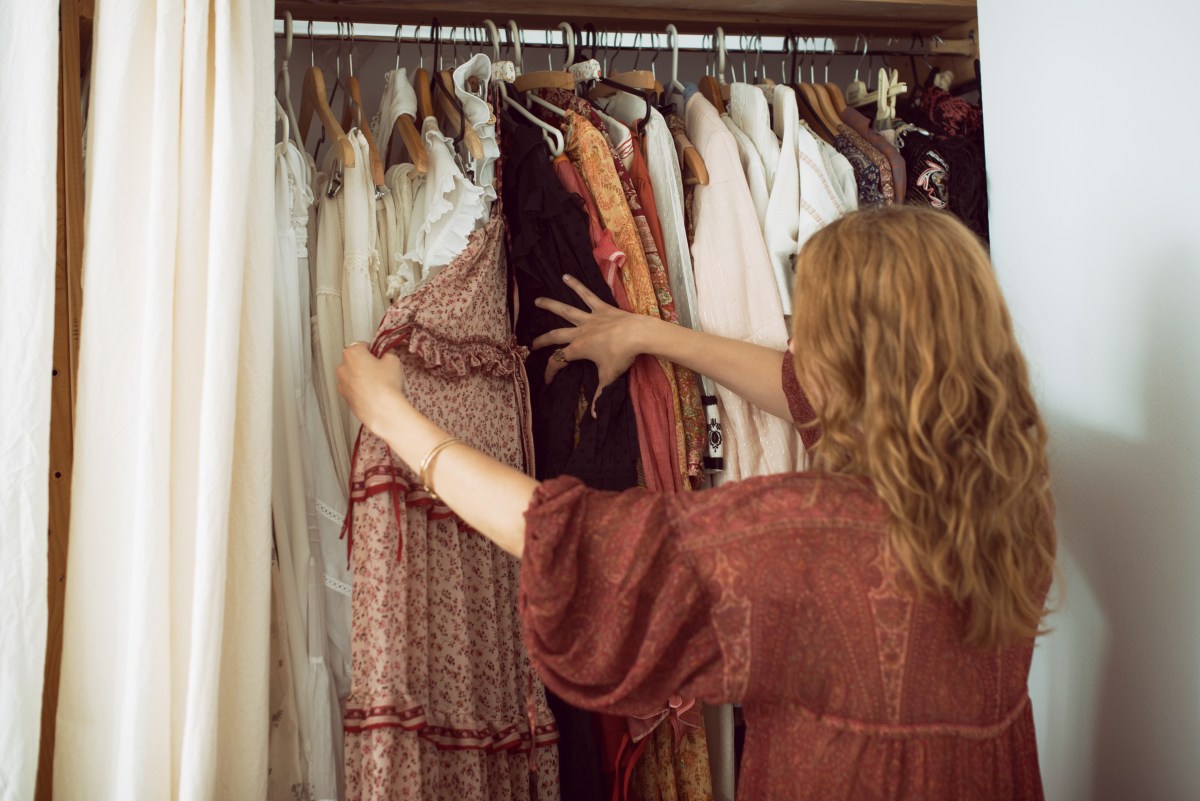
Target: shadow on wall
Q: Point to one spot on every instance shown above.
(1118, 682)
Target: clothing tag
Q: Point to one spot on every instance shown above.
(586, 70)
(714, 460)
(504, 71)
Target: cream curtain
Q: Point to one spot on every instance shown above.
(28, 136)
(164, 683)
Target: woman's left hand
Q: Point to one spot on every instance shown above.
(370, 385)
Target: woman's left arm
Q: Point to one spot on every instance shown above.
(490, 496)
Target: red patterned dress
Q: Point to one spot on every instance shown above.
(779, 592)
(442, 689)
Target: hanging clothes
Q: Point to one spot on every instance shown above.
(745, 101)
(690, 420)
(549, 238)
(783, 208)
(329, 323)
(658, 149)
(548, 234)
(441, 682)
(866, 172)
(298, 573)
(884, 142)
(874, 171)
(361, 295)
(447, 208)
(737, 294)
(471, 82)
(589, 151)
(827, 186)
(404, 184)
(649, 388)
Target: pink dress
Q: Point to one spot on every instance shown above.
(443, 696)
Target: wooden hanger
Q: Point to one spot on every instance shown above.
(835, 96)
(712, 91)
(313, 100)
(551, 79)
(694, 169)
(643, 81)
(354, 116)
(406, 129)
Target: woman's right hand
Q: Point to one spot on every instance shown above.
(604, 335)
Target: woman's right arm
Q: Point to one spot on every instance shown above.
(613, 338)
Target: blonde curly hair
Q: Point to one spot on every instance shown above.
(904, 340)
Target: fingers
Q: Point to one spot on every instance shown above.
(571, 314)
(586, 295)
(559, 336)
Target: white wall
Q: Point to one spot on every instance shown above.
(1093, 179)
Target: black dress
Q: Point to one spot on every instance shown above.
(549, 238)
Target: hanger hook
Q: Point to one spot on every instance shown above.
(637, 50)
(514, 34)
(287, 36)
(493, 37)
(340, 43)
(350, 56)
(568, 42)
(858, 37)
(719, 45)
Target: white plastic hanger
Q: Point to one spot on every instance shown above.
(285, 75)
(552, 136)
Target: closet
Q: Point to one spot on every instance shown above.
(821, 41)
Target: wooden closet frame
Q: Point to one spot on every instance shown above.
(951, 19)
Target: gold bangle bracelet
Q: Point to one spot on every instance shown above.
(427, 463)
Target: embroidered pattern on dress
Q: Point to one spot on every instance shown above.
(892, 607)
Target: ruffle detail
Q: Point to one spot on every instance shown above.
(450, 219)
(456, 359)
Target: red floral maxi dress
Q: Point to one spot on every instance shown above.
(443, 694)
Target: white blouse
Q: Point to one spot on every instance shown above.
(737, 294)
(447, 207)
(481, 117)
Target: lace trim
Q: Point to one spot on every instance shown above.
(329, 513)
(338, 586)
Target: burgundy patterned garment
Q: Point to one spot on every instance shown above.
(442, 688)
(779, 592)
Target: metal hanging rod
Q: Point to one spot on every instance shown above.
(641, 40)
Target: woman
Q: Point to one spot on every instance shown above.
(874, 615)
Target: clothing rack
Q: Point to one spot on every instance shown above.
(640, 38)
(816, 17)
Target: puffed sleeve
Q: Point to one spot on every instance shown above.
(798, 403)
(614, 618)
